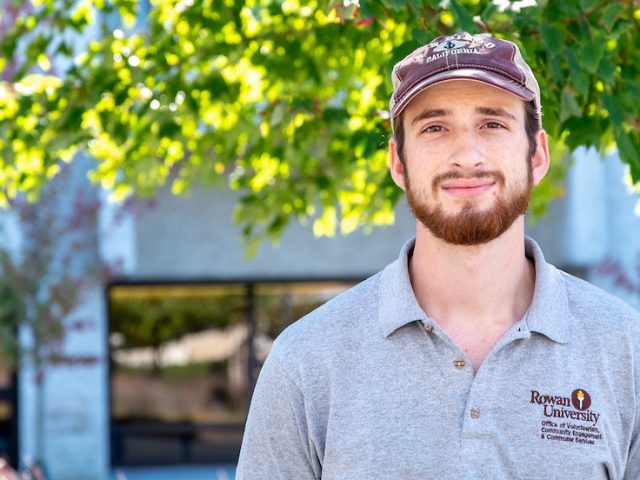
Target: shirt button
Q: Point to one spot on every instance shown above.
(428, 328)
(458, 363)
(475, 413)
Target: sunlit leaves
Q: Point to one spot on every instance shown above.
(284, 101)
(37, 84)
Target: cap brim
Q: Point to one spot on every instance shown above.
(484, 76)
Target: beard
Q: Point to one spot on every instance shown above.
(472, 225)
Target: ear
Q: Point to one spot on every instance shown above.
(396, 168)
(540, 157)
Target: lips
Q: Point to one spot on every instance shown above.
(468, 183)
(466, 187)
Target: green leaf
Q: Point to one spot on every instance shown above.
(612, 104)
(488, 12)
(629, 151)
(607, 71)
(552, 37)
(611, 12)
(569, 106)
(555, 67)
(580, 132)
(400, 4)
(421, 36)
(590, 54)
(579, 77)
(589, 4)
(371, 8)
(568, 9)
(403, 50)
(463, 17)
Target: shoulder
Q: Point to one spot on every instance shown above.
(602, 316)
(351, 310)
(318, 339)
(586, 299)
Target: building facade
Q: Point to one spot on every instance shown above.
(83, 419)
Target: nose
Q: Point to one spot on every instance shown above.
(467, 151)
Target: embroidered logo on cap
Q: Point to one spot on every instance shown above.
(450, 45)
(459, 43)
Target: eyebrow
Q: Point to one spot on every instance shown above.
(441, 112)
(425, 114)
(495, 112)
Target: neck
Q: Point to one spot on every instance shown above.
(483, 286)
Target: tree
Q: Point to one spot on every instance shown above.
(286, 101)
(42, 283)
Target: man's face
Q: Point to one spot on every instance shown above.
(466, 175)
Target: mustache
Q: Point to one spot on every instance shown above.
(495, 175)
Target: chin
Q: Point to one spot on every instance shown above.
(469, 208)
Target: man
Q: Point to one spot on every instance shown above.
(469, 357)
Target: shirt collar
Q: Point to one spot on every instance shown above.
(397, 303)
(548, 313)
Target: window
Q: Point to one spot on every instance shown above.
(184, 360)
(8, 416)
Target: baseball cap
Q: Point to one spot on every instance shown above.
(481, 57)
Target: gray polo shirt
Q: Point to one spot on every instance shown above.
(368, 386)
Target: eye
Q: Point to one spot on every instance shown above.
(432, 129)
(494, 124)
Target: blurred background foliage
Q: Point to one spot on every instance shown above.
(285, 101)
(47, 279)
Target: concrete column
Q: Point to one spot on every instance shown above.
(64, 419)
(76, 429)
(623, 232)
(586, 237)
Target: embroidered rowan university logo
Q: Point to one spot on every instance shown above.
(568, 418)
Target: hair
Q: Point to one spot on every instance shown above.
(532, 125)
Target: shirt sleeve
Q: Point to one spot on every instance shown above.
(632, 472)
(276, 443)
(632, 469)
